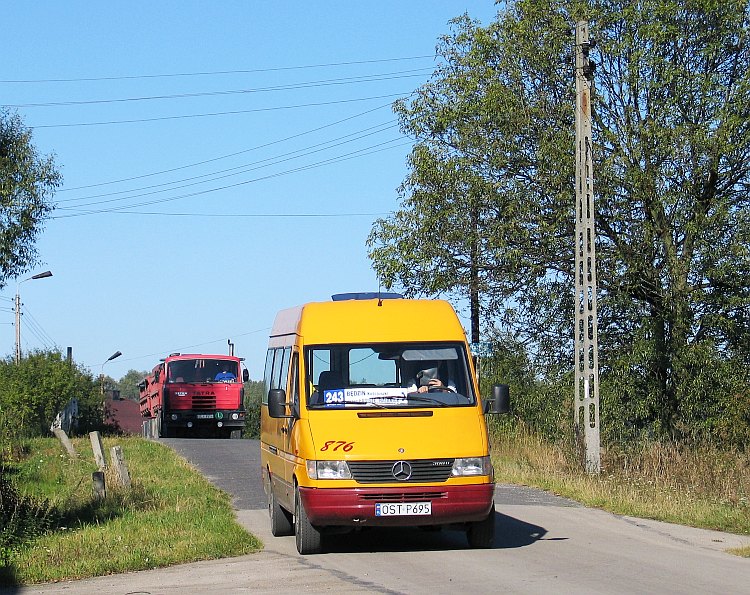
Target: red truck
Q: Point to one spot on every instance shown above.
(194, 395)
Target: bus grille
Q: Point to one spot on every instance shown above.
(428, 470)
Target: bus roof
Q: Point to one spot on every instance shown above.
(370, 320)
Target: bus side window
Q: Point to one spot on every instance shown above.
(282, 365)
(294, 384)
(268, 374)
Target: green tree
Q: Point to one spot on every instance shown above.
(253, 399)
(128, 384)
(35, 390)
(672, 168)
(27, 183)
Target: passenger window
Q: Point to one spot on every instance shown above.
(282, 364)
(267, 376)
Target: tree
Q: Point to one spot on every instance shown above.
(27, 183)
(128, 384)
(34, 391)
(672, 168)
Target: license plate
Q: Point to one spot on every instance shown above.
(205, 416)
(403, 509)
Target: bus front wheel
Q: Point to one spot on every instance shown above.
(307, 537)
(481, 534)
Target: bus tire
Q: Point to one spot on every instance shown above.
(481, 534)
(307, 537)
(281, 520)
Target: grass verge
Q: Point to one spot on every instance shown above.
(698, 487)
(171, 514)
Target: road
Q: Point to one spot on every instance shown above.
(544, 544)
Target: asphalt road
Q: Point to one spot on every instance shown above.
(544, 544)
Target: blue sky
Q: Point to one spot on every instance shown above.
(221, 161)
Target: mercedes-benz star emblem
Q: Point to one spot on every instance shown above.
(401, 470)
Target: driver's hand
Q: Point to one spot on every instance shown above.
(435, 382)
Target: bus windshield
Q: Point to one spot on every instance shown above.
(386, 375)
(202, 370)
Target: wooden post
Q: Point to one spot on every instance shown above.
(96, 446)
(121, 468)
(100, 489)
(63, 437)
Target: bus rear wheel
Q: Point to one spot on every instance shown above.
(281, 521)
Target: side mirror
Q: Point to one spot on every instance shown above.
(277, 403)
(500, 402)
(245, 375)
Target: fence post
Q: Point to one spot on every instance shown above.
(121, 468)
(100, 489)
(63, 437)
(96, 446)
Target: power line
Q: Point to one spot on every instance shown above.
(185, 347)
(345, 157)
(212, 114)
(245, 215)
(35, 328)
(215, 73)
(255, 148)
(290, 87)
(240, 169)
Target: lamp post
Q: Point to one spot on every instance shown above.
(101, 373)
(18, 310)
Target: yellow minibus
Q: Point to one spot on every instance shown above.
(371, 418)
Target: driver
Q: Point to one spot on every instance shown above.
(427, 380)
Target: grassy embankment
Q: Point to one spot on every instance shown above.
(704, 487)
(171, 515)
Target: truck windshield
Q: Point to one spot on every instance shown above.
(202, 370)
(388, 375)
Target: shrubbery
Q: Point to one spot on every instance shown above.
(712, 408)
(253, 398)
(31, 394)
(33, 391)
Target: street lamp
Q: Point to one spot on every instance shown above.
(109, 359)
(18, 310)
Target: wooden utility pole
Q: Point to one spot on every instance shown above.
(586, 402)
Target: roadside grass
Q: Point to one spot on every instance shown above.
(700, 487)
(171, 514)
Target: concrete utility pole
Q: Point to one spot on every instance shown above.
(18, 304)
(586, 402)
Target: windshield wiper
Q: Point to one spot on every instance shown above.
(421, 399)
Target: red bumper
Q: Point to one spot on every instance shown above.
(356, 506)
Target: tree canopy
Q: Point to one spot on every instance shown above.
(27, 183)
(35, 390)
(128, 384)
(488, 204)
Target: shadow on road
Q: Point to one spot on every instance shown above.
(509, 533)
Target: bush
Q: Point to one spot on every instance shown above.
(253, 398)
(35, 390)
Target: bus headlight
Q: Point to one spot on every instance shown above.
(328, 470)
(472, 466)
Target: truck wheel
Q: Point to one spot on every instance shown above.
(308, 538)
(481, 534)
(281, 520)
(163, 428)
